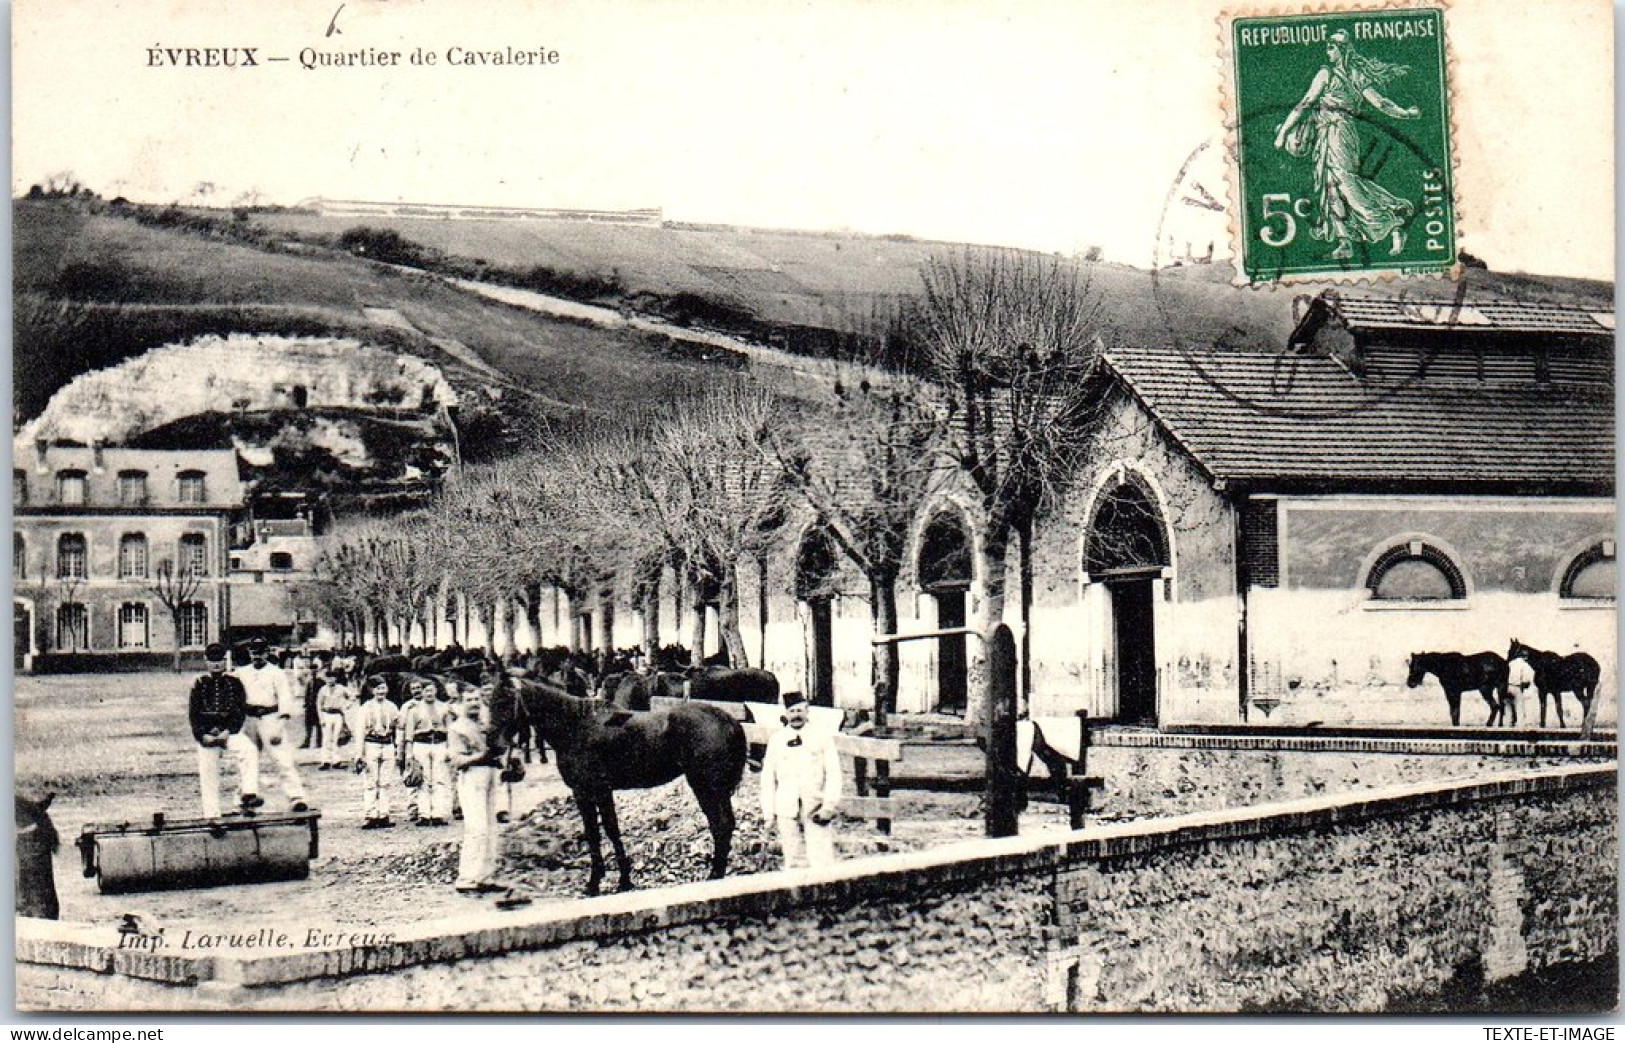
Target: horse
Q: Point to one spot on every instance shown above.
(37, 841)
(1484, 672)
(1556, 674)
(599, 752)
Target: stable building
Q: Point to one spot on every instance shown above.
(1267, 537)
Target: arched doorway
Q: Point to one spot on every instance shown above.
(1126, 550)
(945, 574)
(816, 570)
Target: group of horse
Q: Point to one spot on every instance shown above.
(598, 718)
(1487, 673)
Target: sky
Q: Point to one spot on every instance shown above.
(1050, 124)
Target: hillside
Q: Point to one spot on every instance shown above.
(837, 281)
(98, 284)
(94, 289)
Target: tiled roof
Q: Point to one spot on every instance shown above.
(1495, 316)
(1293, 419)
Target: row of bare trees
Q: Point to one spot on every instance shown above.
(994, 398)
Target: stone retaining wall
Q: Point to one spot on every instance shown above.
(1323, 904)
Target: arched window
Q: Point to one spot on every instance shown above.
(1415, 571)
(70, 556)
(70, 488)
(132, 625)
(72, 627)
(191, 487)
(132, 488)
(1590, 576)
(132, 556)
(194, 554)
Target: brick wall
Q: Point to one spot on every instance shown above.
(1327, 904)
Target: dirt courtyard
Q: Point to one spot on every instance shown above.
(116, 748)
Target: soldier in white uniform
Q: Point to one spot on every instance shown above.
(271, 705)
(335, 702)
(424, 718)
(801, 787)
(1520, 675)
(473, 757)
(377, 725)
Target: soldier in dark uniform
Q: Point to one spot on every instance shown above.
(218, 707)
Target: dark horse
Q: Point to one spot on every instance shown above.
(1485, 672)
(37, 842)
(1556, 674)
(601, 749)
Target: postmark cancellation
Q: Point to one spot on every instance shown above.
(1340, 144)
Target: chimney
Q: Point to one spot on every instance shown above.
(41, 449)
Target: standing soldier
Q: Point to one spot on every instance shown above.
(307, 687)
(475, 760)
(801, 787)
(424, 720)
(334, 701)
(1520, 675)
(216, 710)
(377, 723)
(271, 705)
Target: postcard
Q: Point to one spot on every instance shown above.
(1053, 507)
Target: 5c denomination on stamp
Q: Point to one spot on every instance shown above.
(1341, 124)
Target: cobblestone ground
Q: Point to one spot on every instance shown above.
(116, 748)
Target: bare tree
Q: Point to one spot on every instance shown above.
(1011, 339)
(175, 586)
(731, 498)
(865, 464)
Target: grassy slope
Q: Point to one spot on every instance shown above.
(786, 277)
(562, 361)
(828, 279)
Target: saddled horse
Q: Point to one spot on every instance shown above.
(601, 749)
(1484, 672)
(37, 842)
(1556, 674)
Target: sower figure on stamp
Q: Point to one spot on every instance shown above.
(271, 705)
(377, 723)
(474, 756)
(1348, 205)
(216, 710)
(801, 787)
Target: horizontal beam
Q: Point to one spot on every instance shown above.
(864, 746)
(892, 639)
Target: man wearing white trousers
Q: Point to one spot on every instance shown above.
(271, 705)
(472, 756)
(216, 711)
(801, 787)
(424, 719)
(377, 725)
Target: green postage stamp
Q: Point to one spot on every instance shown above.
(1342, 145)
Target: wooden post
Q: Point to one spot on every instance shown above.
(1003, 793)
(883, 790)
(1077, 789)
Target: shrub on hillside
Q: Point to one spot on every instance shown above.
(386, 245)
